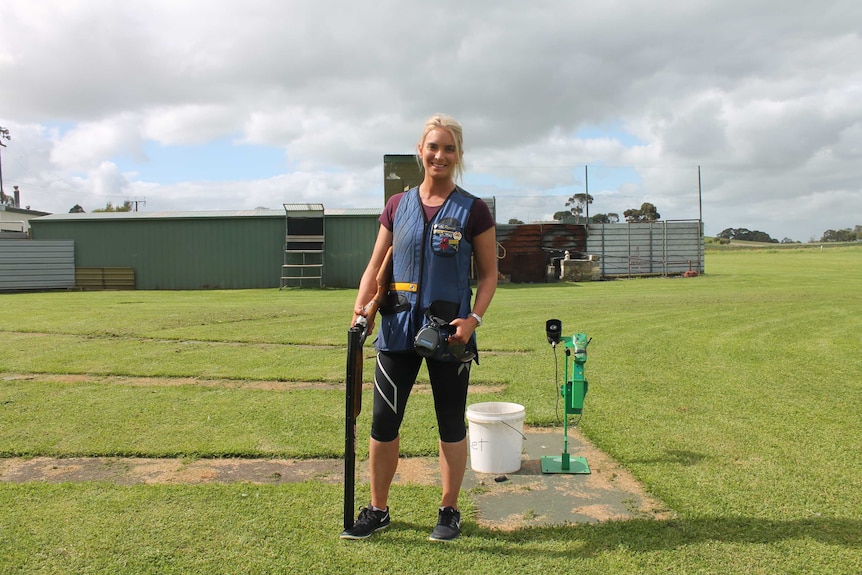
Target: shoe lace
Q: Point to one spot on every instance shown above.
(367, 516)
(448, 517)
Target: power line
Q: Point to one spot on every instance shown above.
(136, 201)
(4, 135)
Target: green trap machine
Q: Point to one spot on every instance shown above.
(573, 391)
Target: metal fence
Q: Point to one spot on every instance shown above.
(660, 248)
(37, 265)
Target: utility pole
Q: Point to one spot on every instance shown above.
(587, 191)
(136, 201)
(4, 135)
(700, 249)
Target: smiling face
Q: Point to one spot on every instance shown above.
(441, 133)
(439, 154)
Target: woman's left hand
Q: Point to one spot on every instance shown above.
(464, 328)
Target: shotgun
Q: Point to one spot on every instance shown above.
(353, 397)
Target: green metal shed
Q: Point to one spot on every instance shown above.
(208, 250)
(350, 236)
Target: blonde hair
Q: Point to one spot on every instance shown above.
(451, 125)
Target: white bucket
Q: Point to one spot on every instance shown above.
(496, 436)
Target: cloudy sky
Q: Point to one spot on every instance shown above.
(210, 105)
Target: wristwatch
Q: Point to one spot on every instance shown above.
(477, 317)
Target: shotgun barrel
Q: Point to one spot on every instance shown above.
(356, 336)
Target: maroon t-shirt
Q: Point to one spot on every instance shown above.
(480, 219)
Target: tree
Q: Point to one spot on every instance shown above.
(609, 218)
(646, 213)
(77, 209)
(126, 207)
(515, 221)
(577, 203)
(758, 236)
(746, 235)
(842, 235)
(565, 217)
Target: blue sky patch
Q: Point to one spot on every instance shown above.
(215, 161)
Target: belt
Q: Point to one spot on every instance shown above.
(404, 286)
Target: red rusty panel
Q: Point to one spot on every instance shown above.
(528, 268)
(562, 237)
(530, 248)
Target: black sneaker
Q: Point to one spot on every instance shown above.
(448, 525)
(368, 522)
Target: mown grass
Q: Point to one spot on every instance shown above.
(734, 396)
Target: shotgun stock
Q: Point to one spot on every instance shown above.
(356, 336)
(384, 277)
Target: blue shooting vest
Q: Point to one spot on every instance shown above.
(434, 258)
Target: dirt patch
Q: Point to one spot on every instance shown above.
(140, 470)
(525, 498)
(265, 385)
(135, 470)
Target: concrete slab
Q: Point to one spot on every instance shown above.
(529, 497)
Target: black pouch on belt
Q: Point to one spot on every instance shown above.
(445, 310)
(394, 302)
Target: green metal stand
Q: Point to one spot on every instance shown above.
(573, 391)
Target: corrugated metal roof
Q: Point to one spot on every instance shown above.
(353, 212)
(303, 207)
(12, 210)
(166, 215)
(203, 214)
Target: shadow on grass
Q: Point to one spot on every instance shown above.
(644, 536)
(647, 536)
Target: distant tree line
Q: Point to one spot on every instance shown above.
(743, 234)
(577, 207)
(126, 207)
(746, 235)
(843, 235)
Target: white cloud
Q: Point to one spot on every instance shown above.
(189, 124)
(764, 97)
(108, 182)
(87, 144)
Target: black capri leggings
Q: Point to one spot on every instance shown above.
(394, 376)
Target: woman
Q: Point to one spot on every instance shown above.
(435, 230)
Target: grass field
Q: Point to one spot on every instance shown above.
(735, 397)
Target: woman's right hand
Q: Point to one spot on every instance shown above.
(360, 312)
